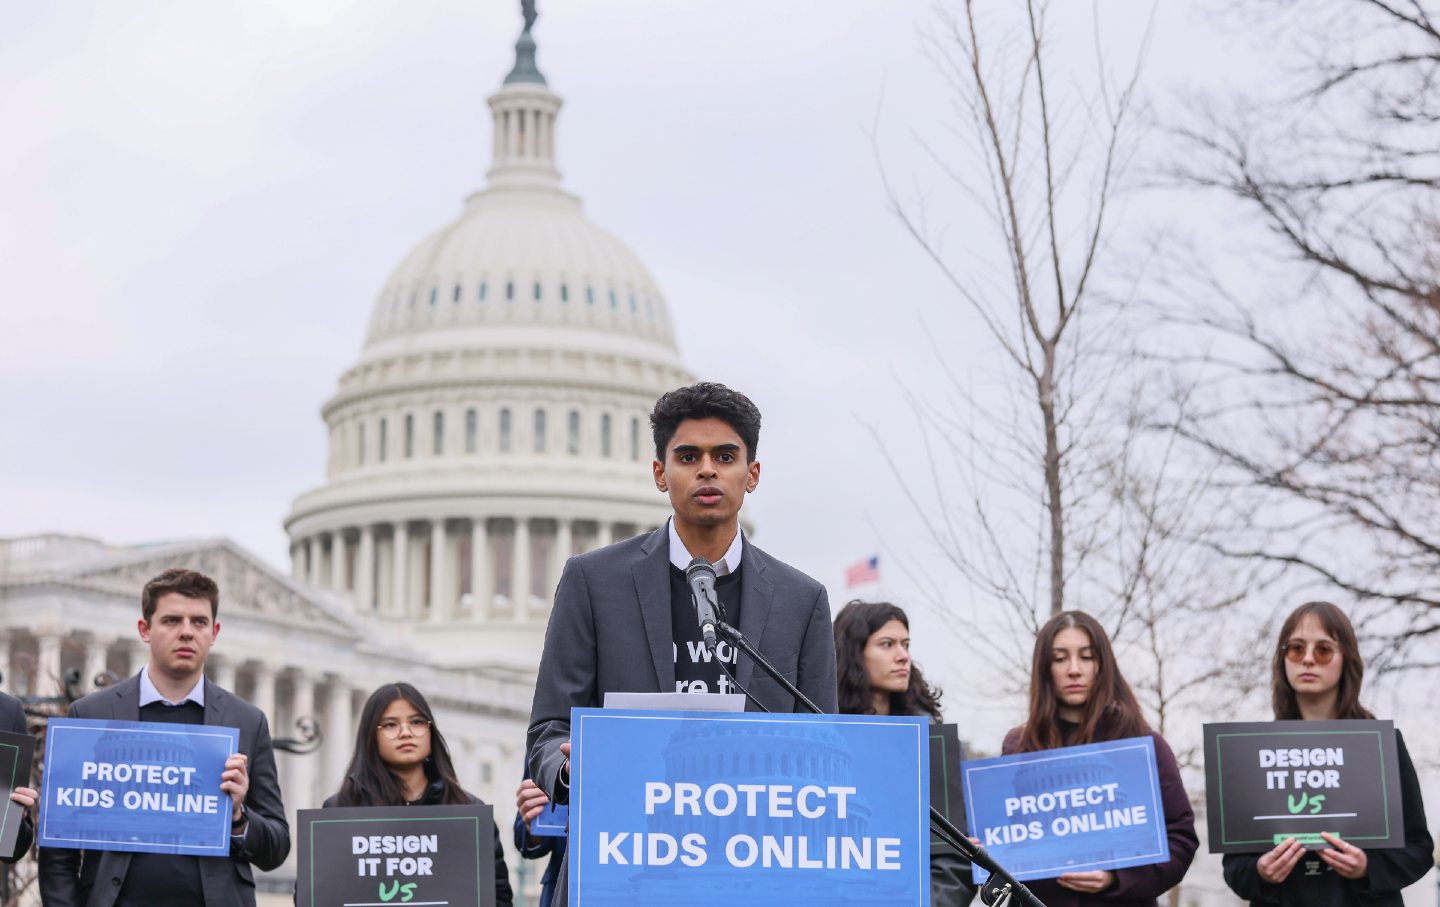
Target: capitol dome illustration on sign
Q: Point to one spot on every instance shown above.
(496, 421)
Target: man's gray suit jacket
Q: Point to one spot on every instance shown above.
(610, 631)
(93, 878)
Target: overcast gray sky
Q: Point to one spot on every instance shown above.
(201, 201)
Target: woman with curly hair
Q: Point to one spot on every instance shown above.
(876, 677)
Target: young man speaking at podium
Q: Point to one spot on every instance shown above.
(623, 619)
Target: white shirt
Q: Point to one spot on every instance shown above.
(149, 694)
(681, 557)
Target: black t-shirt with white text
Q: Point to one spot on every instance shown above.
(695, 668)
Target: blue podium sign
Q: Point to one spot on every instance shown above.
(140, 786)
(705, 808)
(1069, 810)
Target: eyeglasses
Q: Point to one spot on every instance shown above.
(419, 727)
(1295, 651)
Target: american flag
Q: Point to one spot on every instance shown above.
(862, 572)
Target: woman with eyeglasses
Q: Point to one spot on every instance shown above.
(1078, 696)
(1315, 675)
(401, 759)
(875, 676)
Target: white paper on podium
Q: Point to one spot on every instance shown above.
(677, 702)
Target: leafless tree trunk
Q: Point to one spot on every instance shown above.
(1045, 181)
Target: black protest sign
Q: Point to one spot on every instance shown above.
(17, 753)
(397, 855)
(1268, 781)
(947, 790)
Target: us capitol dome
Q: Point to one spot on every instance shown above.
(496, 421)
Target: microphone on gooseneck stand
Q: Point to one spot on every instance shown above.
(701, 577)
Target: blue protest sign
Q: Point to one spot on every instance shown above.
(139, 786)
(705, 808)
(551, 822)
(1069, 810)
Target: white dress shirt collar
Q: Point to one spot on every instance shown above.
(681, 557)
(149, 694)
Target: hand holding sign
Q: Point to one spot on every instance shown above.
(1092, 882)
(25, 796)
(529, 800)
(1275, 866)
(1347, 860)
(235, 781)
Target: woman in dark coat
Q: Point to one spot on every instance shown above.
(1315, 675)
(401, 759)
(877, 677)
(1078, 696)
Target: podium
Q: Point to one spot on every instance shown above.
(700, 808)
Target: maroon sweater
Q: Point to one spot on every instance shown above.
(1138, 886)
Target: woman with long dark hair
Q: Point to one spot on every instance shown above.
(876, 677)
(401, 759)
(1079, 696)
(1315, 675)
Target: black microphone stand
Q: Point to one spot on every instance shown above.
(1000, 889)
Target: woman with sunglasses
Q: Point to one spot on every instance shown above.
(1078, 696)
(877, 677)
(1315, 675)
(401, 759)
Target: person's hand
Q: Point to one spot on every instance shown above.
(529, 801)
(25, 796)
(1275, 865)
(1092, 882)
(565, 769)
(1346, 859)
(235, 781)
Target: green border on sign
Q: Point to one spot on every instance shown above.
(14, 773)
(388, 821)
(1220, 779)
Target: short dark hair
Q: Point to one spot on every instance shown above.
(189, 583)
(705, 400)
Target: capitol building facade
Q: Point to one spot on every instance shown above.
(494, 424)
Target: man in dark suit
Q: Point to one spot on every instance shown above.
(623, 620)
(178, 623)
(12, 719)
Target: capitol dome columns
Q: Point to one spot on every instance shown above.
(520, 569)
(480, 581)
(365, 570)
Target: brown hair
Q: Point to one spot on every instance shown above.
(1111, 713)
(1352, 667)
(180, 581)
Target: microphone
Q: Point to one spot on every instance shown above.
(701, 577)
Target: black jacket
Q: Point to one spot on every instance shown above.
(1312, 883)
(504, 895)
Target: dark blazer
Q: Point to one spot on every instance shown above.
(610, 631)
(12, 719)
(74, 878)
(1138, 886)
(1312, 883)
